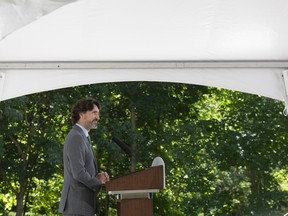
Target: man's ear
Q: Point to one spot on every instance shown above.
(81, 115)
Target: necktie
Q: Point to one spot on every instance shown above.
(88, 137)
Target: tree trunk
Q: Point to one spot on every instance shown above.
(20, 197)
(134, 144)
(256, 187)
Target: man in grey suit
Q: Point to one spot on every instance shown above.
(81, 178)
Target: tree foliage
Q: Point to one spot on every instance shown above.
(224, 151)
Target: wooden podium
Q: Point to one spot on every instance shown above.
(135, 190)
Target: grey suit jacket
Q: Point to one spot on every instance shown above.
(80, 183)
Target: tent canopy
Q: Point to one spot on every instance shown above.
(240, 45)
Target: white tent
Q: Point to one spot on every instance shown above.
(235, 44)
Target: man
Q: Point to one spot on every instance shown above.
(81, 180)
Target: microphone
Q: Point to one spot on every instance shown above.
(123, 146)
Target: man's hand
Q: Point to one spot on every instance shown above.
(103, 177)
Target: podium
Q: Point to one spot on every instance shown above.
(135, 190)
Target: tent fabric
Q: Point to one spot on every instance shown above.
(267, 82)
(163, 30)
(15, 14)
(178, 34)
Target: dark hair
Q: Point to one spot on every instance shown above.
(82, 105)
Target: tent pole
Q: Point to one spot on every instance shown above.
(285, 94)
(2, 80)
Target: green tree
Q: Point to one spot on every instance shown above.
(30, 145)
(224, 151)
(249, 135)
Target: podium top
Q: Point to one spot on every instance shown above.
(147, 179)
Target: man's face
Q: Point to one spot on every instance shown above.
(89, 119)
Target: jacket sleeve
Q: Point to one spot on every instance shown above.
(80, 162)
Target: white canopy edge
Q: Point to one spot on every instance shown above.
(261, 78)
(140, 64)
